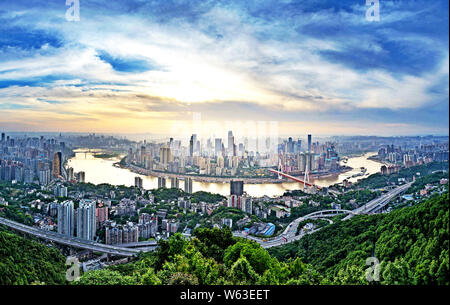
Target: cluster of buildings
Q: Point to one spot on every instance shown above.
(260, 207)
(410, 156)
(35, 160)
(31, 159)
(222, 158)
(315, 158)
(175, 183)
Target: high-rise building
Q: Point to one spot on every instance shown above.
(81, 177)
(57, 165)
(234, 201)
(60, 190)
(230, 143)
(236, 188)
(188, 185)
(191, 146)
(143, 155)
(247, 205)
(301, 162)
(66, 218)
(161, 182)
(44, 176)
(298, 146)
(309, 143)
(86, 221)
(113, 236)
(130, 233)
(218, 147)
(101, 214)
(290, 146)
(174, 182)
(165, 155)
(138, 182)
(70, 173)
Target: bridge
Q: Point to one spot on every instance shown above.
(293, 178)
(328, 213)
(72, 241)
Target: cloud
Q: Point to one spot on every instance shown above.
(257, 59)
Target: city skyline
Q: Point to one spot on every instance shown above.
(138, 67)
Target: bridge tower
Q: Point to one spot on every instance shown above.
(306, 178)
(280, 169)
(280, 164)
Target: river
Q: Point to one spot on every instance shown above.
(99, 170)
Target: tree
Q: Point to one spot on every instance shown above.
(243, 273)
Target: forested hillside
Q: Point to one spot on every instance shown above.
(24, 262)
(412, 245)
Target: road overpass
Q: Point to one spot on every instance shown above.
(72, 241)
(377, 204)
(289, 234)
(127, 250)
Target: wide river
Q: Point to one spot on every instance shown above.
(99, 170)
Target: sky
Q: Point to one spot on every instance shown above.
(141, 66)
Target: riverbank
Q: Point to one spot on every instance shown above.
(211, 179)
(109, 171)
(106, 155)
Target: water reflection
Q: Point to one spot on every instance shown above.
(103, 171)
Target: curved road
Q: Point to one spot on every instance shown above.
(289, 234)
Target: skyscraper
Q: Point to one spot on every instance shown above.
(191, 146)
(188, 185)
(86, 223)
(309, 143)
(230, 143)
(161, 182)
(66, 218)
(165, 155)
(290, 146)
(236, 188)
(174, 182)
(57, 165)
(138, 182)
(218, 147)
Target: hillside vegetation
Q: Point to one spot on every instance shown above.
(412, 245)
(24, 262)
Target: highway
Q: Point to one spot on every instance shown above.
(289, 234)
(72, 241)
(380, 202)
